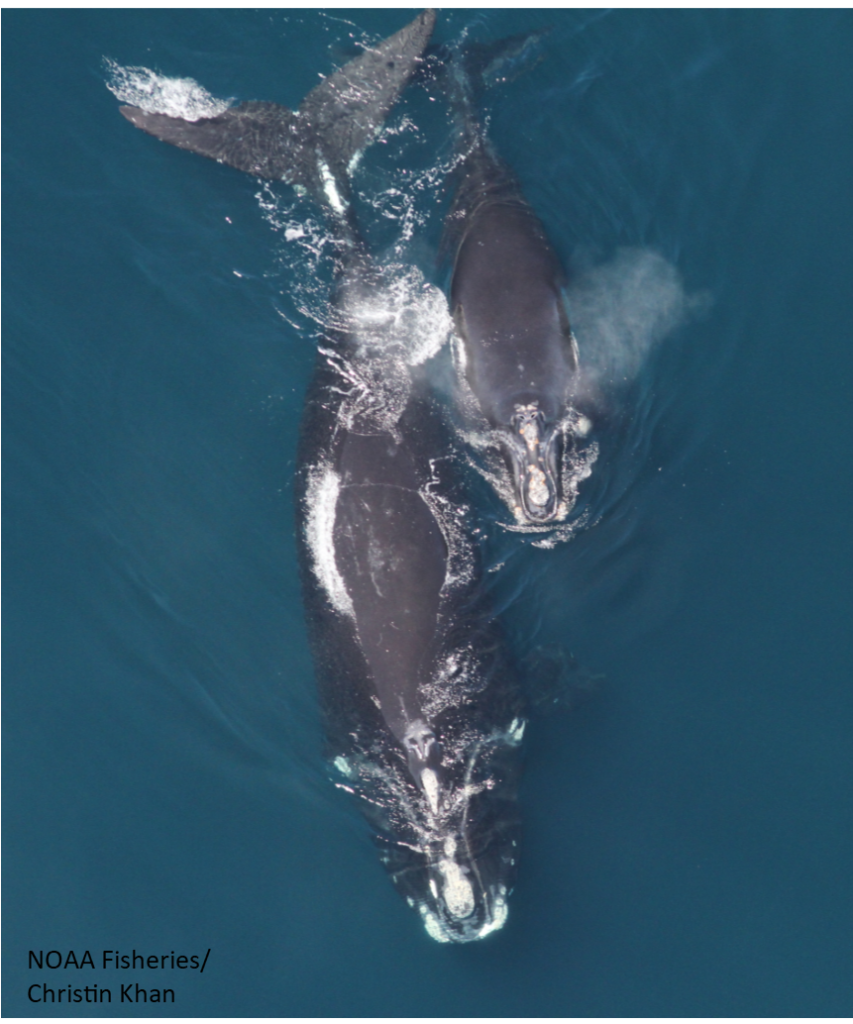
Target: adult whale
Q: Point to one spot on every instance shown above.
(423, 715)
(517, 356)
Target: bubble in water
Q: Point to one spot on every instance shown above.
(621, 309)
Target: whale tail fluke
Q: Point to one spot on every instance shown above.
(253, 137)
(349, 108)
(318, 145)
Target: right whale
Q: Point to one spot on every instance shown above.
(516, 355)
(423, 714)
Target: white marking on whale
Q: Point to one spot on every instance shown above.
(324, 485)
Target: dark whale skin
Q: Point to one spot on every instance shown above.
(518, 355)
(453, 858)
(422, 711)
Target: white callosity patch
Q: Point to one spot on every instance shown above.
(321, 501)
(456, 889)
(159, 94)
(530, 434)
(500, 912)
(538, 486)
(437, 930)
(486, 447)
(429, 780)
(487, 458)
(515, 733)
(452, 909)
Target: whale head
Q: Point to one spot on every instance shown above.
(459, 881)
(467, 898)
(452, 855)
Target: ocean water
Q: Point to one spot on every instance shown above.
(688, 830)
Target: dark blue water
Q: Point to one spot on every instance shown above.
(689, 831)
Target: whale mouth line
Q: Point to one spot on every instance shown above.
(532, 448)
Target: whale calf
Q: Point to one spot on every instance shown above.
(422, 712)
(517, 356)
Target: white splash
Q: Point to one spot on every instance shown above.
(159, 94)
(321, 499)
(427, 321)
(406, 314)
